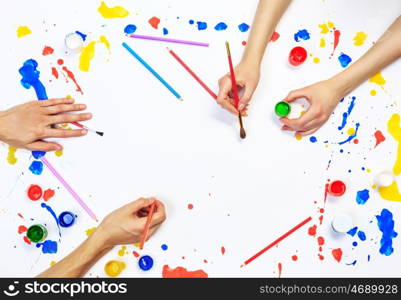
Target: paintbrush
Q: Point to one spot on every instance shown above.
(87, 128)
(235, 91)
(148, 220)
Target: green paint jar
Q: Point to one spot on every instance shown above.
(36, 233)
(282, 109)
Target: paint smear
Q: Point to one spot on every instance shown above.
(30, 77)
(390, 193)
(322, 43)
(373, 92)
(54, 72)
(130, 29)
(324, 28)
(72, 77)
(103, 40)
(190, 206)
(164, 247)
(280, 269)
(47, 50)
(82, 35)
(136, 254)
(352, 231)
(201, 25)
(22, 229)
(114, 268)
(294, 258)
(275, 36)
(48, 247)
(347, 113)
(223, 250)
(337, 254)
(385, 223)
(87, 54)
(11, 159)
(220, 26)
(312, 230)
(344, 60)
(154, 22)
(313, 139)
(165, 31)
(302, 34)
(23, 31)
(49, 193)
(362, 235)
(36, 167)
(351, 137)
(112, 12)
(320, 241)
(243, 27)
(362, 196)
(51, 211)
(121, 252)
(89, 231)
(379, 138)
(181, 272)
(394, 128)
(58, 153)
(359, 38)
(336, 34)
(378, 79)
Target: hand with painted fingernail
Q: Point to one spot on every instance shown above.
(26, 125)
(247, 78)
(323, 98)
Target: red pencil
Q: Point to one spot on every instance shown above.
(146, 229)
(211, 93)
(277, 241)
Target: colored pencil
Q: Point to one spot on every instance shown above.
(211, 93)
(277, 241)
(148, 220)
(151, 70)
(68, 188)
(160, 39)
(235, 90)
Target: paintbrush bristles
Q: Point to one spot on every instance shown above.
(228, 48)
(242, 132)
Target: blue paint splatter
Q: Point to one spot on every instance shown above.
(38, 154)
(344, 60)
(353, 231)
(302, 34)
(347, 113)
(82, 35)
(352, 264)
(385, 223)
(48, 246)
(191, 22)
(51, 211)
(145, 262)
(313, 139)
(36, 167)
(165, 31)
(30, 77)
(243, 27)
(201, 25)
(164, 247)
(354, 244)
(362, 235)
(362, 196)
(368, 257)
(351, 137)
(130, 29)
(221, 26)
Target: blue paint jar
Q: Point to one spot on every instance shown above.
(145, 262)
(66, 219)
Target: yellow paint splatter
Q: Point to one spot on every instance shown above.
(316, 60)
(87, 54)
(11, 159)
(378, 79)
(351, 131)
(114, 268)
(298, 137)
(90, 231)
(360, 38)
(373, 93)
(52, 263)
(322, 43)
(368, 170)
(391, 192)
(394, 128)
(23, 31)
(324, 28)
(330, 24)
(121, 252)
(112, 12)
(137, 245)
(58, 153)
(104, 41)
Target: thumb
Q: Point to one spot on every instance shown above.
(138, 204)
(296, 94)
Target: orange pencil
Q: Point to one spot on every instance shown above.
(146, 229)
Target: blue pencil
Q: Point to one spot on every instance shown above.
(145, 64)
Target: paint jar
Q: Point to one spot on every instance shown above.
(145, 262)
(297, 56)
(282, 109)
(114, 268)
(74, 42)
(34, 192)
(383, 179)
(336, 188)
(36, 233)
(66, 219)
(342, 223)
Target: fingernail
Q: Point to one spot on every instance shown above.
(84, 132)
(58, 147)
(88, 115)
(82, 106)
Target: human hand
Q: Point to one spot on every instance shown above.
(25, 125)
(247, 78)
(125, 225)
(323, 97)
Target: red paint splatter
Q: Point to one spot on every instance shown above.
(136, 254)
(26, 240)
(356, 141)
(183, 257)
(22, 229)
(49, 193)
(326, 191)
(21, 216)
(72, 77)
(321, 257)
(321, 210)
(297, 56)
(312, 230)
(274, 36)
(320, 240)
(47, 50)
(34, 192)
(223, 250)
(181, 272)
(280, 269)
(154, 22)
(320, 249)
(54, 72)
(190, 206)
(337, 34)
(205, 261)
(60, 61)
(379, 137)
(243, 43)
(321, 219)
(294, 258)
(337, 254)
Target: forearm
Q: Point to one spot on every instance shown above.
(266, 18)
(80, 260)
(386, 50)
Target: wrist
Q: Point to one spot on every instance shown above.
(341, 84)
(98, 240)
